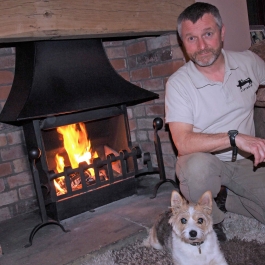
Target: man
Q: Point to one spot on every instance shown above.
(209, 109)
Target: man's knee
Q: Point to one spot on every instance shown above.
(199, 172)
(198, 166)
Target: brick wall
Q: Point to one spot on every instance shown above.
(146, 62)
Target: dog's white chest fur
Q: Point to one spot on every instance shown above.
(208, 253)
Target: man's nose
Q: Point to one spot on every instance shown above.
(201, 43)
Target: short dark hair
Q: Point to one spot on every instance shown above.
(196, 11)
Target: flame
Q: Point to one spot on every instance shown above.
(77, 146)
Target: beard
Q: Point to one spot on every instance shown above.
(207, 60)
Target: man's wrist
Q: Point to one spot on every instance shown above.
(232, 137)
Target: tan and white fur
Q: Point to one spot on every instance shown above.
(187, 231)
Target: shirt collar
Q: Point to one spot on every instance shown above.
(200, 81)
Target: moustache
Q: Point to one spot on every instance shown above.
(204, 51)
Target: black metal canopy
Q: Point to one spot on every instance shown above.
(58, 77)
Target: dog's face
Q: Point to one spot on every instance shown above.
(191, 222)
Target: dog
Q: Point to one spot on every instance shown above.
(186, 230)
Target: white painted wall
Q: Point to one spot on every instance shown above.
(235, 18)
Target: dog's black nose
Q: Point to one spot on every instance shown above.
(193, 233)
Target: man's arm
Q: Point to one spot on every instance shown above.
(188, 142)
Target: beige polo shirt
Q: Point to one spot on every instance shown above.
(214, 107)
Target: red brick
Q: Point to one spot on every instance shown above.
(21, 179)
(139, 111)
(158, 42)
(171, 173)
(115, 52)
(133, 137)
(5, 169)
(118, 64)
(21, 165)
(161, 98)
(155, 110)
(4, 92)
(167, 148)
(177, 53)
(142, 135)
(8, 197)
(132, 125)
(140, 74)
(14, 137)
(7, 61)
(173, 39)
(2, 185)
(26, 192)
(136, 48)
(166, 69)
(148, 147)
(132, 62)
(4, 214)
(125, 75)
(12, 153)
(129, 113)
(3, 140)
(163, 135)
(169, 161)
(6, 77)
(153, 84)
(145, 123)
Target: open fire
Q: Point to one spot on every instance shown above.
(77, 149)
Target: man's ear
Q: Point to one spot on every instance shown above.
(223, 32)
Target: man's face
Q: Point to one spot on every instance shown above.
(202, 40)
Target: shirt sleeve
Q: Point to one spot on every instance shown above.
(259, 66)
(178, 106)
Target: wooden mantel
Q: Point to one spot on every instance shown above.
(23, 20)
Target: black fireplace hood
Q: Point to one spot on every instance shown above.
(59, 77)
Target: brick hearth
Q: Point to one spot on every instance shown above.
(146, 62)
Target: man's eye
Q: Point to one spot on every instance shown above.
(191, 38)
(200, 221)
(183, 220)
(208, 34)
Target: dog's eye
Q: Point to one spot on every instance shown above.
(183, 221)
(200, 221)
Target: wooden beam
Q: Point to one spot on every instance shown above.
(23, 20)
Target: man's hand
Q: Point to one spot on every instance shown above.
(253, 145)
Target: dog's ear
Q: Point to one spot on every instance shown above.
(206, 201)
(176, 200)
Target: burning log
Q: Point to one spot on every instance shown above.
(116, 165)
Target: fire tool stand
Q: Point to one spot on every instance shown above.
(34, 154)
(158, 124)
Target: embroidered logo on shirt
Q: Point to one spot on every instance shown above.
(244, 84)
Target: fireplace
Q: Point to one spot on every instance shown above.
(100, 169)
(71, 84)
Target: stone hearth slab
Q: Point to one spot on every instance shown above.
(90, 231)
